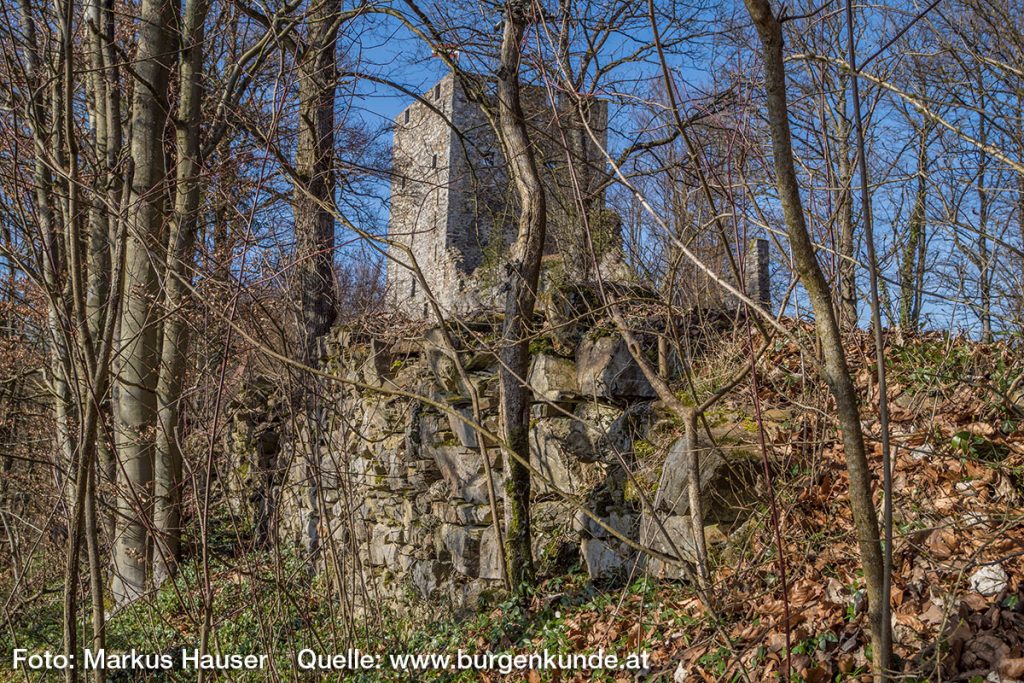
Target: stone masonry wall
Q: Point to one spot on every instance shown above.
(404, 496)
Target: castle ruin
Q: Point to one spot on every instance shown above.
(451, 203)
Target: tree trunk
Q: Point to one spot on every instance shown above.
(314, 227)
(104, 209)
(984, 269)
(836, 370)
(140, 353)
(844, 210)
(914, 249)
(180, 256)
(523, 275)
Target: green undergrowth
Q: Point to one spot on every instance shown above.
(553, 621)
(267, 604)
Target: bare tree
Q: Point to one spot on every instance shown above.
(314, 223)
(524, 271)
(835, 369)
(140, 319)
(177, 277)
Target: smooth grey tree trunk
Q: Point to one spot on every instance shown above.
(914, 250)
(180, 259)
(139, 332)
(844, 210)
(523, 276)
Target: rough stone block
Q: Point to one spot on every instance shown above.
(605, 558)
(377, 368)
(605, 369)
(724, 484)
(466, 434)
(679, 529)
(453, 512)
(490, 556)
(462, 544)
(460, 467)
(555, 543)
(384, 544)
(553, 378)
(422, 473)
(475, 490)
(621, 521)
(591, 438)
(441, 360)
(427, 575)
(549, 454)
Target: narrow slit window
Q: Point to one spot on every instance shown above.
(413, 292)
(433, 162)
(437, 91)
(406, 116)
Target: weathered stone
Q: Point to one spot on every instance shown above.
(441, 360)
(432, 429)
(605, 369)
(377, 368)
(427, 575)
(422, 473)
(384, 543)
(553, 378)
(463, 431)
(377, 422)
(451, 193)
(757, 273)
(361, 531)
(462, 544)
(589, 438)
(560, 469)
(605, 434)
(475, 490)
(459, 467)
(724, 485)
(490, 556)
(419, 535)
(680, 543)
(405, 559)
(555, 543)
(549, 515)
(397, 470)
(606, 558)
(622, 521)
(462, 513)
(405, 481)
(539, 411)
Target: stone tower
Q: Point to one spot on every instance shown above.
(451, 203)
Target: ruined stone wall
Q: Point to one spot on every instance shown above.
(405, 512)
(412, 498)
